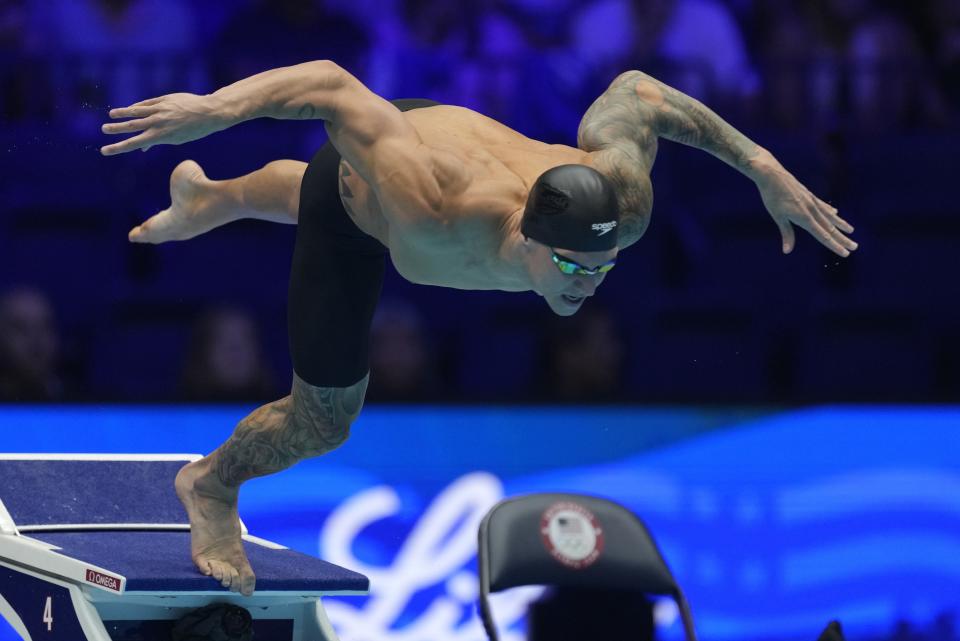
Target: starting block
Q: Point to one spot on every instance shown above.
(97, 548)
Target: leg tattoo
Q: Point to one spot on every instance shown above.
(309, 422)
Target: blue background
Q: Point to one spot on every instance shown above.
(774, 521)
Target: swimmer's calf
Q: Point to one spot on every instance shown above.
(309, 422)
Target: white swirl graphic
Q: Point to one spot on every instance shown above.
(442, 542)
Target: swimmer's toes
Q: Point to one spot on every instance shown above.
(157, 229)
(204, 566)
(231, 579)
(216, 569)
(248, 582)
(142, 234)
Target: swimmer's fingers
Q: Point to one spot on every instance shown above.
(134, 111)
(143, 141)
(169, 120)
(148, 102)
(831, 213)
(823, 233)
(829, 225)
(141, 112)
(790, 203)
(127, 127)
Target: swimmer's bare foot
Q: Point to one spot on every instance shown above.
(197, 205)
(215, 543)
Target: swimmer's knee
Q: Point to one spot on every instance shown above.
(325, 414)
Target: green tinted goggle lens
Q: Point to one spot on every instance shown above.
(569, 267)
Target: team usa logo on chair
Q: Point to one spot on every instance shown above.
(572, 534)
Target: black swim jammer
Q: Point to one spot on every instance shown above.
(335, 279)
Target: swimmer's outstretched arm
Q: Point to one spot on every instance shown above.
(305, 91)
(637, 109)
(367, 131)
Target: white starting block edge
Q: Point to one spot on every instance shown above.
(24, 552)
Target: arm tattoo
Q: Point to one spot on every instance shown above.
(621, 128)
(306, 112)
(624, 149)
(309, 422)
(634, 192)
(637, 106)
(344, 188)
(346, 194)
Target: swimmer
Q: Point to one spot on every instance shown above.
(454, 198)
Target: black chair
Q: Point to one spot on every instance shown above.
(571, 541)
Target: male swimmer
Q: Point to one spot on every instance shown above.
(454, 198)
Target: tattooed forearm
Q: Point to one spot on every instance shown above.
(688, 121)
(309, 422)
(637, 106)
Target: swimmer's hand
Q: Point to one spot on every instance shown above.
(168, 120)
(790, 203)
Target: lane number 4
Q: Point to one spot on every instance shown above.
(48, 613)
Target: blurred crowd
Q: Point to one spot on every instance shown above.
(223, 358)
(868, 64)
(822, 72)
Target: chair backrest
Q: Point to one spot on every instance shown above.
(570, 540)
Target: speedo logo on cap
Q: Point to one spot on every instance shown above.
(603, 228)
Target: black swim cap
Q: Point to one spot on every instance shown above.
(572, 207)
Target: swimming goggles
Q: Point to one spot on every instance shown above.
(568, 266)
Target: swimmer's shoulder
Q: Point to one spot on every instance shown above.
(461, 125)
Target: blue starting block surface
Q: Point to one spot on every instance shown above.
(160, 562)
(103, 540)
(91, 492)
